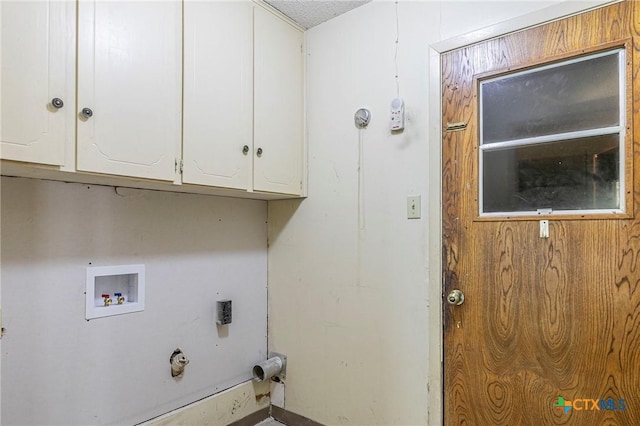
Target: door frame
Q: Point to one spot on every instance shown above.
(436, 331)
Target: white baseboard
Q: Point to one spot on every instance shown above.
(220, 409)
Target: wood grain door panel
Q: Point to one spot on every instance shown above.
(543, 318)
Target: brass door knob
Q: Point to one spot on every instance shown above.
(455, 297)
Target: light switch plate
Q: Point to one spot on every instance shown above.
(413, 207)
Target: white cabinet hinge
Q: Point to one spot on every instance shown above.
(179, 165)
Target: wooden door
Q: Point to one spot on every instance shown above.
(218, 94)
(549, 331)
(278, 105)
(37, 87)
(130, 77)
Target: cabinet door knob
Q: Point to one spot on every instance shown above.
(86, 112)
(259, 152)
(245, 149)
(57, 103)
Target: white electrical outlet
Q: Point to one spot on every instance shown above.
(413, 207)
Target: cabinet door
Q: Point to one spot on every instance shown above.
(218, 93)
(37, 62)
(278, 105)
(129, 76)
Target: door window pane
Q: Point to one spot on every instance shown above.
(557, 99)
(578, 174)
(552, 138)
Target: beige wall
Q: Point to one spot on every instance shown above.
(357, 310)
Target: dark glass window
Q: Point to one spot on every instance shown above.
(552, 137)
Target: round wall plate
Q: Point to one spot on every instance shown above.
(362, 118)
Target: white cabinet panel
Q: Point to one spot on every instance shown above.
(278, 104)
(218, 93)
(239, 125)
(37, 65)
(129, 75)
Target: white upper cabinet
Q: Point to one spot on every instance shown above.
(37, 87)
(218, 93)
(243, 98)
(129, 87)
(278, 105)
(119, 97)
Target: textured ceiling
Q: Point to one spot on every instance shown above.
(309, 13)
